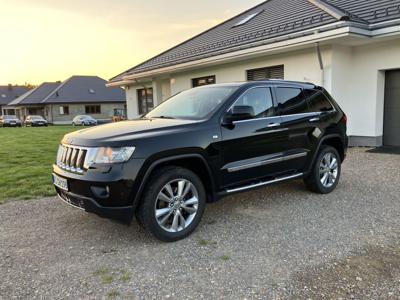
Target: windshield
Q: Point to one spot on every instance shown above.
(10, 117)
(37, 118)
(194, 104)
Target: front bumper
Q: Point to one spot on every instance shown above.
(121, 214)
(12, 124)
(109, 192)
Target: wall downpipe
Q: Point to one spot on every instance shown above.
(321, 63)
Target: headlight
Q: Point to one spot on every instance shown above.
(109, 155)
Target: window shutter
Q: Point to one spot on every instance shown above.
(276, 72)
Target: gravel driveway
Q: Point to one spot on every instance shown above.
(276, 243)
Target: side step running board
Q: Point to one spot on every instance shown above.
(263, 183)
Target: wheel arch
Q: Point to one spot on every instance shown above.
(334, 140)
(194, 162)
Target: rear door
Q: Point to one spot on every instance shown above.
(253, 148)
(300, 123)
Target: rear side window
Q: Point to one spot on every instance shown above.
(260, 100)
(291, 101)
(317, 101)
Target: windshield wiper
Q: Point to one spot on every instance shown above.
(163, 117)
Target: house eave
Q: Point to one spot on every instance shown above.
(281, 44)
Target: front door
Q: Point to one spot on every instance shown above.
(252, 148)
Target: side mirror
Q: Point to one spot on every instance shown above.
(239, 113)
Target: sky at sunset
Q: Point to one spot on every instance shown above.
(50, 40)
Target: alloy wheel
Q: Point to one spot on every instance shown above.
(176, 205)
(328, 170)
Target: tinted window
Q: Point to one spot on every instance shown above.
(291, 101)
(317, 101)
(260, 100)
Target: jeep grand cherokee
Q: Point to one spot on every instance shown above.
(200, 145)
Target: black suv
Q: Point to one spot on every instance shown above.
(200, 145)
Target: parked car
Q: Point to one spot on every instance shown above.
(201, 145)
(10, 121)
(35, 121)
(84, 120)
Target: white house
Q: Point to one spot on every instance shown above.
(351, 47)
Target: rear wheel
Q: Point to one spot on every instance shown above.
(173, 203)
(325, 173)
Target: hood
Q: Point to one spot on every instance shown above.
(125, 132)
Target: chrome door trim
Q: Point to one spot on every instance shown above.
(265, 162)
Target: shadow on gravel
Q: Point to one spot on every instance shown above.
(373, 273)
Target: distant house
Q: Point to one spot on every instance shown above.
(9, 93)
(351, 47)
(60, 102)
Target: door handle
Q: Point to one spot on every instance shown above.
(313, 120)
(274, 125)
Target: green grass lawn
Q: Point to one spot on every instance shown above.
(26, 158)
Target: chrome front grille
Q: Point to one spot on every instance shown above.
(71, 158)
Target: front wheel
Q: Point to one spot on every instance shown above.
(173, 203)
(325, 173)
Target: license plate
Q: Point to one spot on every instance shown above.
(60, 182)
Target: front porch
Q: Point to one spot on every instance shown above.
(21, 112)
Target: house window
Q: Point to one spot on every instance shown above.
(93, 109)
(276, 72)
(64, 110)
(145, 100)
(203, 81)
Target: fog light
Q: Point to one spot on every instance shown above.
(101, 192)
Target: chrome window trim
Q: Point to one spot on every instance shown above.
(266, 162)
(270, 87)
(257, 119)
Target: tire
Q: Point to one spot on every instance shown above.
(150, 202)
(319, 181)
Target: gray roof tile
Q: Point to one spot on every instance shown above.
(10, 93)
(36, 95)
(277, 18)
(85, 89)
(372, 11)
(77, 89)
